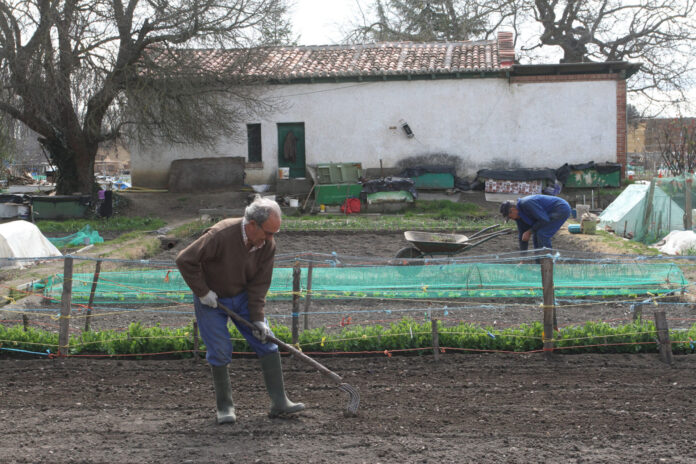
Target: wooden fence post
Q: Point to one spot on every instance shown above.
(436, 338)
(663, 337)
(66, 302)
(308, 297)
(637, 312)
(25, 322)
(95, 279)
(296, 272)
(687, 202)
(550, 324)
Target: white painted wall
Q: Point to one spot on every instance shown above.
(487, 122)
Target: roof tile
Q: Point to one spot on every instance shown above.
(386, 58)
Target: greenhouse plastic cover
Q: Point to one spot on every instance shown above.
(22, 239)
(645, 217)
(624, 212)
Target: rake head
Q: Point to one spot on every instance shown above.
(354, 401)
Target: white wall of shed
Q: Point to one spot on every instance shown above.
(486, 122)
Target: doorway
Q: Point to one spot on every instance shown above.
(291, 148)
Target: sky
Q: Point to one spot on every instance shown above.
(323, 22)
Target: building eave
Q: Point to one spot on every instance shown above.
(608, 67)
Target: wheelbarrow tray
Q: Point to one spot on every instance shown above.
(433, 242)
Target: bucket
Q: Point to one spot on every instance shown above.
(294, 202)
(582, 209)
(283, 173)
(588, 227)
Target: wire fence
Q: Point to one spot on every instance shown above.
(541, 301)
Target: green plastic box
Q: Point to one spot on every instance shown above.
(339, 173)
(60, 206)
(336, 194)
(434, 181)
(588, 178)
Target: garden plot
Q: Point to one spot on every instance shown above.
(336, 313)
(460, 408)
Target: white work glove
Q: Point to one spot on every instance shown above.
(210, 299)
(261, 331)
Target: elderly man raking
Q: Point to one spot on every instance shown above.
(232, 262)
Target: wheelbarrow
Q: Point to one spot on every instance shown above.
(438, 244)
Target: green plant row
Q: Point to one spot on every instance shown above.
(112, 224)
(425, 215)
(407, 334)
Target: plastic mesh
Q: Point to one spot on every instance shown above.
(457, 280)
(85, 236)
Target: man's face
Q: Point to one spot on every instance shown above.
(258, 234)
(513, 214)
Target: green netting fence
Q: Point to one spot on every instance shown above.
(85, 236)
(458, 280)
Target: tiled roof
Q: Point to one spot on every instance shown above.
(379, 59)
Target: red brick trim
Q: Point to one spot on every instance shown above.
(621, 125)
(563, 78)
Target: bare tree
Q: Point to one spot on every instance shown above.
(7, 142)
(633, 116)
(430, 21)
(70, 67)
(657, 33)
(276, 28)
(677, 142)
(660, 34)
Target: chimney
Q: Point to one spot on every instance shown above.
(506, 49)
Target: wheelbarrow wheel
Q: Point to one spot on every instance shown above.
(409, 252)
(407, 261)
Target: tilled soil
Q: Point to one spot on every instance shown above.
(463, 408)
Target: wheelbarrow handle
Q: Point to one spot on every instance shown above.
(324, 370)
(484, 230)
(487, 237)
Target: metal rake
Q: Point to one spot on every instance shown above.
(353, 401)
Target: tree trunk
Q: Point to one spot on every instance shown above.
(574, 51)
(75, 167)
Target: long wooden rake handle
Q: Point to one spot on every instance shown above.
(354, 401)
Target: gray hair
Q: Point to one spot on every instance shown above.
(260, 210)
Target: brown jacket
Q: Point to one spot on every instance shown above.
(219, 261)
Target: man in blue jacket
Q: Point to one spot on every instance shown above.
(541, 215)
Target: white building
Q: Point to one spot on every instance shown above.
(466, 99)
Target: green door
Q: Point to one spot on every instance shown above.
(291, 148)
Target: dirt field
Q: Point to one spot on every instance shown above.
(463, 408)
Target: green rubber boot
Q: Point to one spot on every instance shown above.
(273, 376)
(223, 395)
